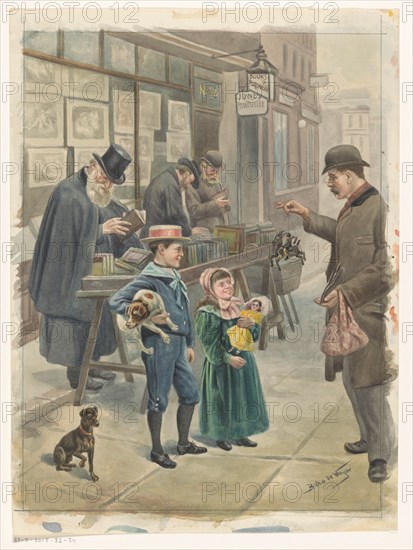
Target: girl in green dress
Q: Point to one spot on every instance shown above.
(232, 405)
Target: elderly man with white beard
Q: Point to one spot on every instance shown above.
(81, 218)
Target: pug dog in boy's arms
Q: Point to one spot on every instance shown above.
(145, 305)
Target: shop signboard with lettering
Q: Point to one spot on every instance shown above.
(250, 103)
(262, 84)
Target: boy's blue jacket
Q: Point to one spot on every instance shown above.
(174, 295)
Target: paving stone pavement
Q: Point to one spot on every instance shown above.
(298, 471)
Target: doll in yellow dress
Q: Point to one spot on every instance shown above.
(241, 338)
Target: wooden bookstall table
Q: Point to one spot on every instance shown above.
(102, 287)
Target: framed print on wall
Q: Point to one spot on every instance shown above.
(178, 116)
(44, 167)
(124, 112)
(43, 122)
(128, 143)
(146, 143)
(177, 145)
(87, 124)
(86, 85)
(150, 110)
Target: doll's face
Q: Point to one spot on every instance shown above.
(223, 289)
(255, 306)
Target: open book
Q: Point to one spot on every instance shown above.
(134, 217)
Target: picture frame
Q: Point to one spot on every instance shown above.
(43, 122)
(119, 55)
(124, 112)
(178, 116)
(87, 124)
(152, 64)
(177, 145)
(82, 46)
(45, 167)
(150, 110)
(128, 143)
(146, 144)
(41, 76)
(85, 85)
(233, 235)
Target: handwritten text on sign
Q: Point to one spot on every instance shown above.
(262, 84)
(250, 103)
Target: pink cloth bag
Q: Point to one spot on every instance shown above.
(343, 335)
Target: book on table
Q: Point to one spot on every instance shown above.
(134, 259)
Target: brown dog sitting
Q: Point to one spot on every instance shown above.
(145, 305)
(80, 440)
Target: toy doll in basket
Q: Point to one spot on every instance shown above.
(241, 338)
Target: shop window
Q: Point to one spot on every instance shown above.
(119, 55)
(179, 71)
(294, 65)
(280, 124)
(285, 58)
(45, 42)
(151, 64)
(311, 162)
(81, 46)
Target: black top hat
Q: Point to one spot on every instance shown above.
(192, 167)
(343, 155)
(214, 158)
(114, 163)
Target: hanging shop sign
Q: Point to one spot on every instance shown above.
(250, 103)
(262, 84)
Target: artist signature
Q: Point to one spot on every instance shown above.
(339, 475)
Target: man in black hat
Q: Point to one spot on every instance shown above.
(163, 199)
(359, 248)
(207, 202)
(81, 218)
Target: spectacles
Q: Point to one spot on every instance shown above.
(331, 178)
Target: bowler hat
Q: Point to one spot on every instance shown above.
(165, 233)
(192, 167)
(343, 155)
(114, 162)
(213, 158)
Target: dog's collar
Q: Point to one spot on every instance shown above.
(84, 432)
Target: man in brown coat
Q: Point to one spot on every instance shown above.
(359, 246)
(207, 202)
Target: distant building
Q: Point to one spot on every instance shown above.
(355, 120)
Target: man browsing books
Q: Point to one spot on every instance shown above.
(81, 218)
(163, 199)
(208, 203)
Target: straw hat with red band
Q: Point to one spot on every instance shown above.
(165, 233)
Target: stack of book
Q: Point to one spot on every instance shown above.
(202, 251)
(134, 260)
(103, 264)
(267, 232)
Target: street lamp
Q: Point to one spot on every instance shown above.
(261, 75)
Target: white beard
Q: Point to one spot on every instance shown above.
(98, 194)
